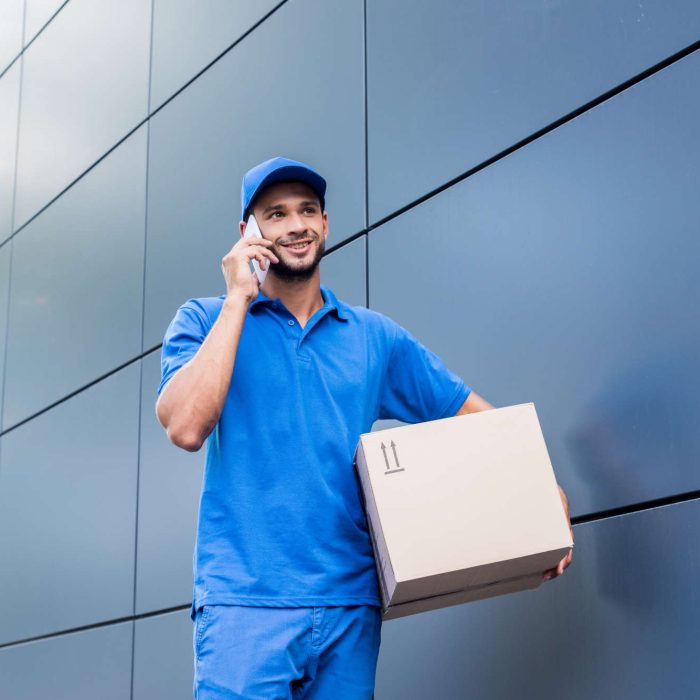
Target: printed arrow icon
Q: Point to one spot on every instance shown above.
(385, 457)
(393, 447)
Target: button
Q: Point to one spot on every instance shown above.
(290, 322)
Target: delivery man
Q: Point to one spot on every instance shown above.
(281, 380)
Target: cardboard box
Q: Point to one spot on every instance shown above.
(461, 509)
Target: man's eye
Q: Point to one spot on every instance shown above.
(276, 213)
(310, 210)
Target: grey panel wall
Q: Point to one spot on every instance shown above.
(11, 12)
(576, 255)
(619, 624)
(562, 273)
(193, 211)
(68, 512)
(188, 34)
(5, 254)
(36, 14)
(490, 74)
(77, 284)
(343, 271)
(163, 657)
(74, 110)
(91, 664)
(9, 110)
(169, 484)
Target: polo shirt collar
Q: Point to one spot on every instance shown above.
(330, 302)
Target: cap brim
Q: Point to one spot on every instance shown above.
(292, 173)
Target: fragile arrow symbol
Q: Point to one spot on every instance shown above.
(393, 447)
(385, 457)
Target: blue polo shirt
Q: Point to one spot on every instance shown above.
(281, 521)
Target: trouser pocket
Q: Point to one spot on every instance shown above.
(200, 627)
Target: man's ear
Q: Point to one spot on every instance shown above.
(325, 225)
(241, 226)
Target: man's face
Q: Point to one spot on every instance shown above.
(289, 214)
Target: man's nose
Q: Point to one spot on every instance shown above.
(297, 223)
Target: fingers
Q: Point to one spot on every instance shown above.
(262, 257)
(260, 253)
(235, 265)
(560, 567)
(246, 242)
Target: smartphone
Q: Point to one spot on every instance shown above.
(252, 230)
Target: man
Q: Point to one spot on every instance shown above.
(281, 380)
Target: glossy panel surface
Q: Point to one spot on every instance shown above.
(170, 480)
(344, 271)
(37, 14)
(81, 666)
(85, 86)
(620, 623)
(188, 34)
(249, 107)
(566, 275)
(10, 31)
(68, 512)
(77, 284)
(9, 109)
(163, 657)
(452, 83)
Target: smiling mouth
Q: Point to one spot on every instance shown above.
(298, 246)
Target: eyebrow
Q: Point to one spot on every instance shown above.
(281, 207)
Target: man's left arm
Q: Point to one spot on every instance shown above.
(475, 403)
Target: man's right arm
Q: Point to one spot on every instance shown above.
(190, 404)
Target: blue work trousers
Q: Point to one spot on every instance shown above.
(315, 653)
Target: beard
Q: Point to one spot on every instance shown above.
(299, 270)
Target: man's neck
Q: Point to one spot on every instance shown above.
(302, 298)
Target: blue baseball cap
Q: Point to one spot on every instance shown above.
(279, 170)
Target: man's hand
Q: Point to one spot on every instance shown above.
(566, 561)
(235, 265)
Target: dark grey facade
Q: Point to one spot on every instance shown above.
(516, 183)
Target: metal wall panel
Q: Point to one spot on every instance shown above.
(37, 14)
(68, 512)
(343, 271)
(84, 86)
(452, 83)
(163, 657)
(188, 34)
(566, 275)
(9, 109)
(5, 255)
(293, 87)
(81, 666)
(11, 12)
(170, 480)
(620, 623)
(77, 284)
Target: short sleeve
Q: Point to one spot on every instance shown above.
(183, 338)
(418, 386)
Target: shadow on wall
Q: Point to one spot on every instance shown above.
(639, 439)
